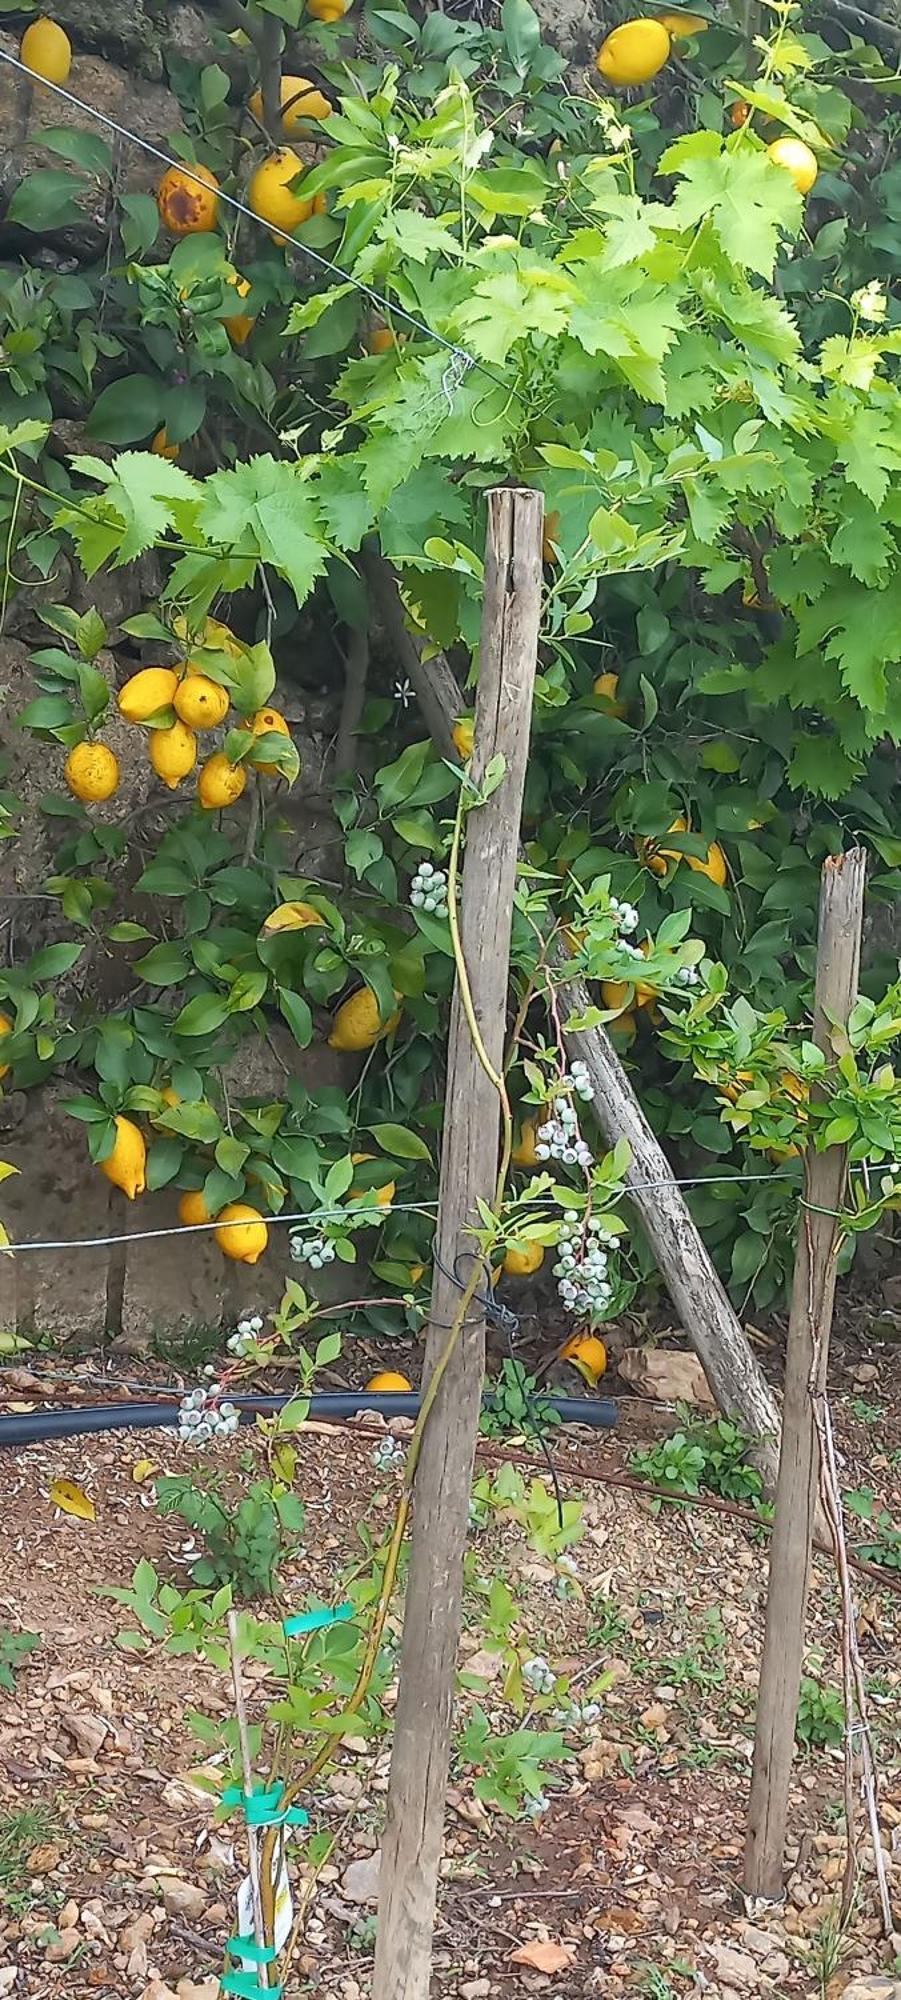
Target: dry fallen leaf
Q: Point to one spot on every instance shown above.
(543, 1955)
(142, 1469)
(69, 1498)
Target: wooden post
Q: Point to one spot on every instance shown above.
(810, 1321)
(710, 1322)
(411, 1851)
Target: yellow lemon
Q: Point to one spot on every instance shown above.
(524, 1154)
(147, 693)
(623, 1030)
(796, 159)
(126, 1165)
(416, 1272)
(634, 53)
(161, 448)
(188, 200)
(46, 50)
(173, 753)
(681, 25)
(382, 1197)
(220, 782)
(588, 1354)
(241, 1233)
(268, 722)
(6, 1028)
(239, 326)
(358, 1024)
(463, 733)
(381, 340)
(293, 917)
(714, 867)
(549, 537)
(192, 1208)
(271, 196)
(301, 100)
(200, 702)
(605, 688)
(92, 772)
(387, 1383)
(522, 1260)
(218, 637)
(328, 10)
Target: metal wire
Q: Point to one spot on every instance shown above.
(232, 201)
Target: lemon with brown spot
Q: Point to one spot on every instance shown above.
(92, 772)
(634, 53)
(200, 702)
(358, 1025)
(188, 200)
(241, 1233)
(147, 693)
(221, 782)
(126, 1165)
(46, 50)
(268, 722)
(524, 1259)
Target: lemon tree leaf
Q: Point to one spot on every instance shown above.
(70, 1499)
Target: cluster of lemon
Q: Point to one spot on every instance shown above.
(637, 51)
(175, 705)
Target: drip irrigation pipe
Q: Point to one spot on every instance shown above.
(42, 1426)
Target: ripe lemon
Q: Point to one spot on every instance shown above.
(605, 688)
(358, 1024)
(239, 326)
(549, 537)
(464, 737)
(381, 340)
(382, 1197)
(292, 917)
(241, 1234)
(681, 25)
(328, 10)
(268, 722)
(416, 1272)
(634, 53)
(126, 1165)
(218, 637)
(301, 100)
(714, 867)
(521, 1262)
(200, 702)
(192, 1208)
(220, 782)
(796, 159)
(188, 200)
(6, 1028)
(588, 1354)
(147, 693)
(623, 1031)
(271, 196)
(161, 448)
(46, 50)
(173, 753)
(740, 113)
(524, 1154)
(92, 772)
(387, 1383)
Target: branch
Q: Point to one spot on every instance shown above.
(437, 692)
(882, 27)
(356, 667)
(267, 40)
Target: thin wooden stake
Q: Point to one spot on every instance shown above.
(411, 1850)
(810, 1322)
(253, 1836)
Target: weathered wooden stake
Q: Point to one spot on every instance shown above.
(810, 1322)
(411, 1851)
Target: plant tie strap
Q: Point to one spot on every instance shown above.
(246, 1985)
(316, 1621)
(263, 1807)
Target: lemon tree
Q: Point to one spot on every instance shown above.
(659, 301)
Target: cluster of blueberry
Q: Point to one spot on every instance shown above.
(559, 1138)
(582, 1267)
(316, 1251)
(538, 1675)
(428, 890)
(244, 1339)
(201, 1417)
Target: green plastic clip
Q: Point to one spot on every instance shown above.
(263, 1807)
(246, 1986)
(247, 1947)
(315, 1621)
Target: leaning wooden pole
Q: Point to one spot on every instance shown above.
(712, 1326)
(810, 1322)
(412, 1847)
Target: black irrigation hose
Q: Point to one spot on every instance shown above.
(41, 1426)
